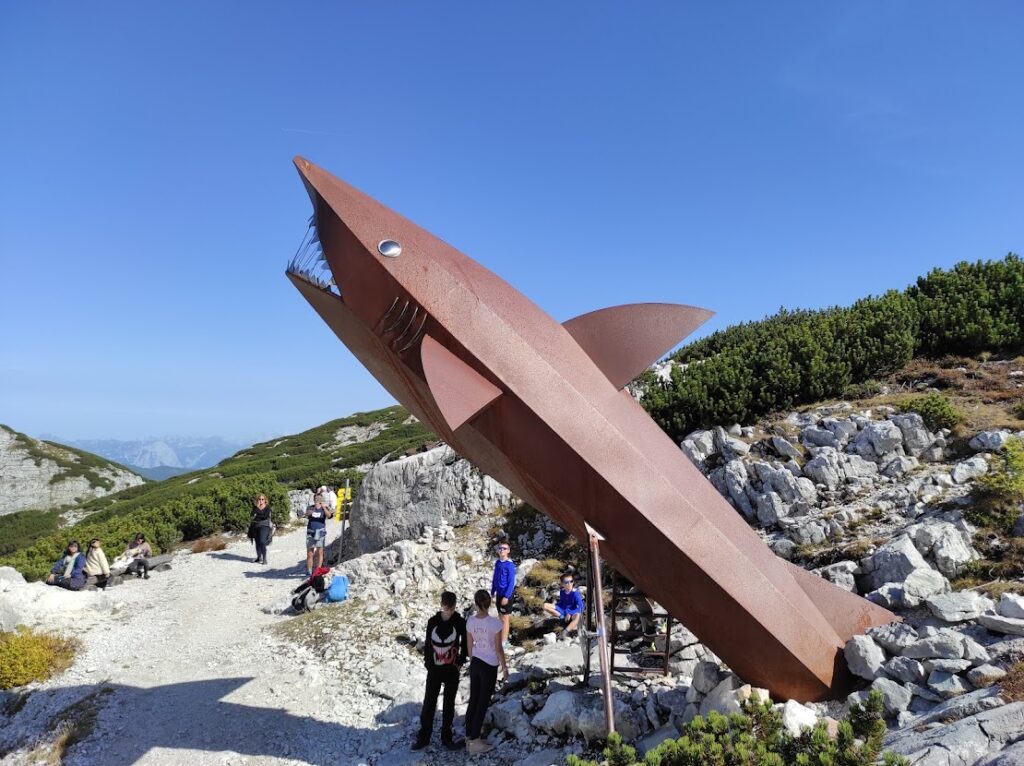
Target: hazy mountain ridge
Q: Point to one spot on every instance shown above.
(184, 452)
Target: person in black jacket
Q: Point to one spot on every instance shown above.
(444, 654)
(261, 527)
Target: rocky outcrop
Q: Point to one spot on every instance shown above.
(41, 475)
(398, 499)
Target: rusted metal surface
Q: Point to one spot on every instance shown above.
(552, 423)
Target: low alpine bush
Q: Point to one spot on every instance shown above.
(27, 656)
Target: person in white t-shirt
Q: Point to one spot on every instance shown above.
(330, 498)
(486, 654)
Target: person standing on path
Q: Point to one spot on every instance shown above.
(260, 528)
(444, 654)
(503, 585)
(485, 656)
(316, 531)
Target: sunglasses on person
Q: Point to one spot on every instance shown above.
(503, 548)
(566, 582)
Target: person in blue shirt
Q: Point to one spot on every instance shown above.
(503, 585)
(568, 607)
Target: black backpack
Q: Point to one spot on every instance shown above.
(305, 600)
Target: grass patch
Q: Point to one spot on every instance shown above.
(27, 656)
(1012, 685)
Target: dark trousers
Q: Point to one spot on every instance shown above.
(482, 680)
(262, 535)
(139, 566)
(448, 677)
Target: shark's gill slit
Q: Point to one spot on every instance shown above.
(387, 313)
(399, 320)
(412, 320)
(415, 336)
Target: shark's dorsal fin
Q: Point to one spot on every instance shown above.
(459, 390)
(625, 340)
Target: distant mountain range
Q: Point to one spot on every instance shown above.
(160, 458)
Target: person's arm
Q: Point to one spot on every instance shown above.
(501, 654)
(463, 649)
(494, 578)
(577, 603)
(427, 647)
(469, 645)
(79, 565)
(147, 551)
(104, 565)
(57, 567)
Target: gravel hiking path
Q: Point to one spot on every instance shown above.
(189, 669)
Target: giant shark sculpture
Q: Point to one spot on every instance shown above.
(541, 406)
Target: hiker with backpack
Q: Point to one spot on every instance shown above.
(444, 654)
(486, 654)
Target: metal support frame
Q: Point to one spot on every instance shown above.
(596, 597)
(632, 595)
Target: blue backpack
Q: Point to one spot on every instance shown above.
(337, 590)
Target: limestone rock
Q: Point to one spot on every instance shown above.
(785, 448)
(989, 441)
(559, 714)
(432, 488)
(864, 657)
(894, 637)
(905, 669)
(1001, 624)
(699, 446)
(985, 675)
(796, 717)
(947, 684)
(1012, 605)
(969, 469)
(38, 481)
(957, 607)
(916, 438)
(895, 698)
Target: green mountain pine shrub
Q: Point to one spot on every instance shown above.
(999, 494)
(756, 737)
(800, 357)
(936, 411)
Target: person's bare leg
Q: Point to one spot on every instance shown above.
(309, 559)
(574, 622)
(550, 609)
(505, 624)
(319, 557)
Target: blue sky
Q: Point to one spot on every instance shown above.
(737, 156)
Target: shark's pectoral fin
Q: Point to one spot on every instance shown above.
(625, 340)
(459, 391)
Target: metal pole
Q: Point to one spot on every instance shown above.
(602, 636)
(342, 517)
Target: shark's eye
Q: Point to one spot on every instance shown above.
(389, 248)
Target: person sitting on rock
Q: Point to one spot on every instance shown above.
(568, 607)
(97, 570)
(139, 552)
(316, 532)
(69, 571)
(444, 654)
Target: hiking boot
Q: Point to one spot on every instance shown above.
(145, 576)
(453, 744)
(420, 743)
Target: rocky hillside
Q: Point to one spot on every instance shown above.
(43, 475)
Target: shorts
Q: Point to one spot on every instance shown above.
(504, 608)
(315, 538)
(561, 612)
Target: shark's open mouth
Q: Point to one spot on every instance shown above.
(310, 263)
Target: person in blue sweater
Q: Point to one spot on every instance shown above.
(568, 607)
(69, 571)
(503, 585)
